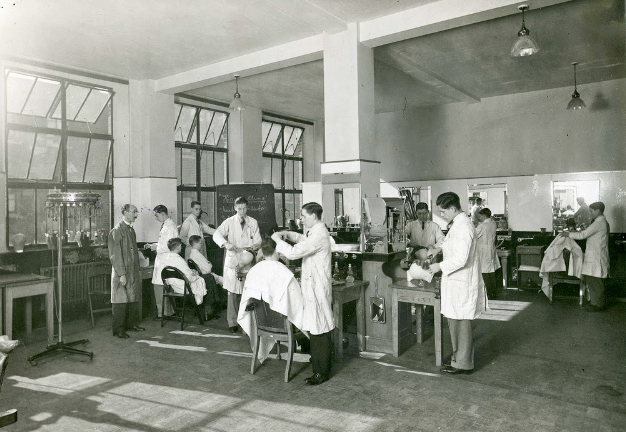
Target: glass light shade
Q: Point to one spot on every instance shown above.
(236, 104)
(524, 46)
(576, 102)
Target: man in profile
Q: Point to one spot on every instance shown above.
(583, 214)
(423, 232)
(125, 277)
(193, 225)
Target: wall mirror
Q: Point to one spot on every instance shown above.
(493, 197)
(570, 200)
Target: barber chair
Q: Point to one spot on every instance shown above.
(99, 290)
(563, 278)
(179, 301)
(272, 325)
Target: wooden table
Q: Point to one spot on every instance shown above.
(344, 293)
(408, 292)
(17, 285)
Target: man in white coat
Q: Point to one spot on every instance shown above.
(193, 225)
(596, 260)
(486, 248)
(315, 250)
(423, 232)
(236, 234)
(168, 231)
(463, 296)
(173, 259)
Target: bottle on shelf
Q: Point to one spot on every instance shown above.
(350, 276)
(336, 272)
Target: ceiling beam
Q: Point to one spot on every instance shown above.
(410, 67)
(438, 16)
(280, 56)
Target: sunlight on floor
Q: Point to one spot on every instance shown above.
(156, 344)
(61, 384)
(501, 310)
(205, 335)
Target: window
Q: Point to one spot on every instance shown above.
(59, 136)
(201, 141)
(282, 166)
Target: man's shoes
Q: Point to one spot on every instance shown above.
(121, 335)
(454, 371)
(592, 308)
(137, 328)
(316, 379)
(233, 329)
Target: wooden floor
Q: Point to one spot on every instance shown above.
(538, 368)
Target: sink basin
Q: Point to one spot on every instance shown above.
(503, 253)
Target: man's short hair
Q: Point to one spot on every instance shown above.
(485, 212)
(195, 203)
(126, 208)
(313, 208)
(598, 205)
(194, 239)
(160, 209)
(268, 246)
(449, 199)
(479, 201)
(173, 243)
(421, 206)
(241, 200)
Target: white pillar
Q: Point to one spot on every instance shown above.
(245, 154)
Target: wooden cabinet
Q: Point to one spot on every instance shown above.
(528, 266)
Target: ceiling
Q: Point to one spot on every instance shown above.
(150, 39)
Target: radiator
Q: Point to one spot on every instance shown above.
(74, 281)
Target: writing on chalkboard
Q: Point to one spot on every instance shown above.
(260, 203)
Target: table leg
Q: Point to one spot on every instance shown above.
(504, 261)
(419, 315)
(29, 316)
(338, 333)
(438, 335)
(8, 313)
(360, 320)
(50, 312)
(395, 337)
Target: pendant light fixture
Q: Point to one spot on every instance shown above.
(236, 104)
(524, 45)
(576, 102)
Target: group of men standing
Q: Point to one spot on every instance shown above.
(237, 234)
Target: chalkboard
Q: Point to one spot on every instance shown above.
(260, 203)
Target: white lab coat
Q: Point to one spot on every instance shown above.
(314, 249)
(192, 226)
(596, 261)
(250, 237)
(168, 231)
(273, 283)
(198, 286)
(486, 246)
(427, 237)
(463, 295)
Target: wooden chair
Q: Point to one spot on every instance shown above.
(562, 277)
(192, 265)
(176, 298)
(10, 416)
(99, 290)
(275, 326)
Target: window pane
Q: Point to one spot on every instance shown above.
(21, 203)
(42, 96)
(273, 139)
(265, 131)
(289, 207)
(94, 105)
(293, 141)
(184, 203)
(184, 125)
(298, 203)
(206, 118)
(206, 168)
(177, 109)
(89, 220)
(277, 173)
(223, 142)
(76, 158)
(75, 97)
(215, 131)
(267, 170)
(188, 167)
(288, 164)
(298, 150)
(45, 157)
(278, 205)
(20, 147)
(208, 206)
(221, 168)
(85, 123)
(18, 88)
(287, 133)
(98, 161)
(177, 159)
(297, 174)
(43, 224)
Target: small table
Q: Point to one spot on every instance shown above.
(16, 286)
(408, 292)
(344, 293)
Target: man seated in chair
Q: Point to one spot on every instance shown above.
(212, 299)
(173, 259)
(271, 281)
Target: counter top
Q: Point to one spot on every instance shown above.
(404, 284)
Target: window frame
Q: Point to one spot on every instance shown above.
(57, 183)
